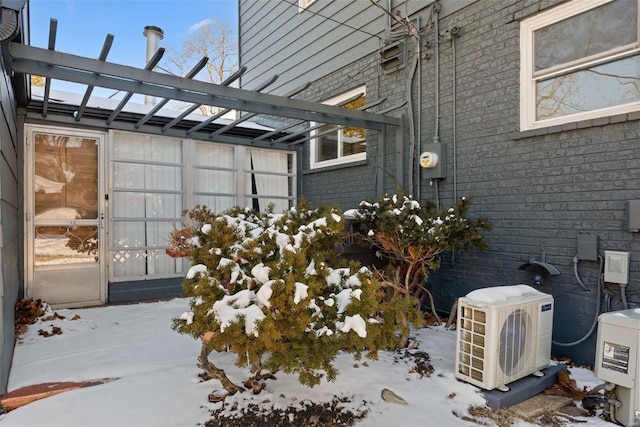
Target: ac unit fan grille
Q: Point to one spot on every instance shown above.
(515, 343)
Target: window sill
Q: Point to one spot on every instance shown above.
(335, 167)
(582, 124)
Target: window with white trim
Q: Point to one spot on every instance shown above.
(579, 61)
(334, 144)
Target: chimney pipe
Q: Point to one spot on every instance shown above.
(154, 35)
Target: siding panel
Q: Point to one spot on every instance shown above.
(9, 228)
(269, 48)
(304, 46)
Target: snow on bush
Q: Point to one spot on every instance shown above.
(410, 236)
(270, 288)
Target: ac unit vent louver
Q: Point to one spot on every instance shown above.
(501, 341)
(393, 57)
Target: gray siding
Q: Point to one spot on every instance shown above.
(9, 248)
(268, 48)
(539, 189)
(300, 46)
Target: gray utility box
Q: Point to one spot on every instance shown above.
(587, 247)
(433, 160)
(617, 360)
(633, 216)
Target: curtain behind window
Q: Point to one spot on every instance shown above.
(269, 174)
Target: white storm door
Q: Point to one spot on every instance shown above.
(65, 217)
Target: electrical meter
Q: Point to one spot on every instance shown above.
(433, 160)
(428, 160)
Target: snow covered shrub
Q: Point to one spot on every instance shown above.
(411, 236)
(270, 288)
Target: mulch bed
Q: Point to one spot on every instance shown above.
(308, 414)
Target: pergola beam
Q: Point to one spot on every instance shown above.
(320, 125)
(221, 113)
(191, 74)
(150, 65)
(250, 115)
(64, 66)
(68, 120)
(232, 78)
(106, 47)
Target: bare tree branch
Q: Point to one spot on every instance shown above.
(213, 40)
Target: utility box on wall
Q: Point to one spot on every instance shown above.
(433, 160)
(587, 247)
(633, 216)
(616, 267)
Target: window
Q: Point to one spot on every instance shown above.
(579, 61)
(337, 144)
(153, 178)
(147, 180)
(214, 176)
(269, 179)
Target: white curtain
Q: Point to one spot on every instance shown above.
(147, 188)
(215, 176)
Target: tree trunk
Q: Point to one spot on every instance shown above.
(404, 337)
(432, 303)
(214, 372)
(452, 314)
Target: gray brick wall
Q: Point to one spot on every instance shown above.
(539, 189)
(345, 186)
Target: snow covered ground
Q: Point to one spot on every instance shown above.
(158, 381)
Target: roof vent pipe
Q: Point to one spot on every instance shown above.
(154, 35)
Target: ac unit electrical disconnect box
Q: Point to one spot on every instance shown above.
(617, 361)
(616, 267)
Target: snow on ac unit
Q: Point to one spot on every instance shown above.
(504, 333)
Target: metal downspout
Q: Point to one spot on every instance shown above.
(419, 118)
(412, 130)
(454, 112)
(379, 186)
(436, 136)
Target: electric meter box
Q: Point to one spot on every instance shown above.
(433, 161)
(617, 360)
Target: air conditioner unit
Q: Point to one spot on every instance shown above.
(504, 333)
(618, 362)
